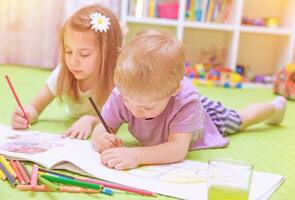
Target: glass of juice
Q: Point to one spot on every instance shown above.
(229, 179)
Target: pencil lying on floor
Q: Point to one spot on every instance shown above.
(16, 98)
(103, 183)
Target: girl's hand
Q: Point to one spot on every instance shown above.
(18, 120)
(81, 129)
(103, 140)
(121, 158)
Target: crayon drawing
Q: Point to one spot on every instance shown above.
(31, 143)
(172, 173)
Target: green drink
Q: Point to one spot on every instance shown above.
(229, 179)
(219, 192)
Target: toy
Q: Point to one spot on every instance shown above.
(272, 22)
(218, 76)
(284, 83)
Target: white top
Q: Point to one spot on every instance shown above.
(74, 109)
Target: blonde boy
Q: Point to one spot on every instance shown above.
(163, 110)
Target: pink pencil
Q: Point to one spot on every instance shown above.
(16, 98)
(34, 176)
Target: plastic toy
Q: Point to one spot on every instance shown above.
(284, 83)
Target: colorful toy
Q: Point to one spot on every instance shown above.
(218, 76)
(271, 22)
(284, 83)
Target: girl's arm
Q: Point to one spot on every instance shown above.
(42, 99)
(32, 110)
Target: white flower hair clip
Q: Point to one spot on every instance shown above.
(99, 22)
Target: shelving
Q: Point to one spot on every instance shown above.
(271, 47)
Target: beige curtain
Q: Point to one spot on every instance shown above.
(29, 29)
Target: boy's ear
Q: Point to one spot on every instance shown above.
(177, 90)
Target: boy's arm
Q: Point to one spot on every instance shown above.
(102, 140)
(174, 150)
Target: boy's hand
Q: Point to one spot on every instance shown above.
(120, 158)
(18, 120)
(81, 129)
(104, 140)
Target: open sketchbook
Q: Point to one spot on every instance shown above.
(185, 180)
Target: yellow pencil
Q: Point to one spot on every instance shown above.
(2, 175)
(6, 164)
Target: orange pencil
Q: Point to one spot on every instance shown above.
(16, 97)
(18, 173)
(43, 188)
(37, 188)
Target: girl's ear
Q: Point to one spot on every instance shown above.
(177, 90)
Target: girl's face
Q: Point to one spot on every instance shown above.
(81, 53)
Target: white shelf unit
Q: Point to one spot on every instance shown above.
(260, 49)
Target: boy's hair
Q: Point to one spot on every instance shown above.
(151, 66)
(109, 44)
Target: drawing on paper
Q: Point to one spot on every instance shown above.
(172, 173)
(31, 143)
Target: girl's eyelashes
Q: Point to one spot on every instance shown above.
(85, 55)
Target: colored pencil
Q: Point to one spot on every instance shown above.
(99, 115)
(43, 188)
(50, 185)
(37, 188)
(7, 166)
(24, 171)
(68, 181)
(103, 183)
(34, 176)
(77, 189)
(2, 175)
(18, 173)
(54, 173)
(16, 97)
(117, 186)
(10, 178)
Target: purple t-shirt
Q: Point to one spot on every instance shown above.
(183, 114)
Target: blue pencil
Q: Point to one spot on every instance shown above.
(10, 178)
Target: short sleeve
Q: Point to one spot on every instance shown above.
(52, 80)
(189, 118)
(114, 110)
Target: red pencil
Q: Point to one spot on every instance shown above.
(18, 173)
(16, 97)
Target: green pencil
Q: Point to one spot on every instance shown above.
(47, 183)
(68, 181)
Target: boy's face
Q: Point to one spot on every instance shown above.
(145, 109)
(81, 54)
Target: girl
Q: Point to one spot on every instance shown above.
(89, 45)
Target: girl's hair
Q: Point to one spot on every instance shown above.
(109, 44)
(151, 66)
